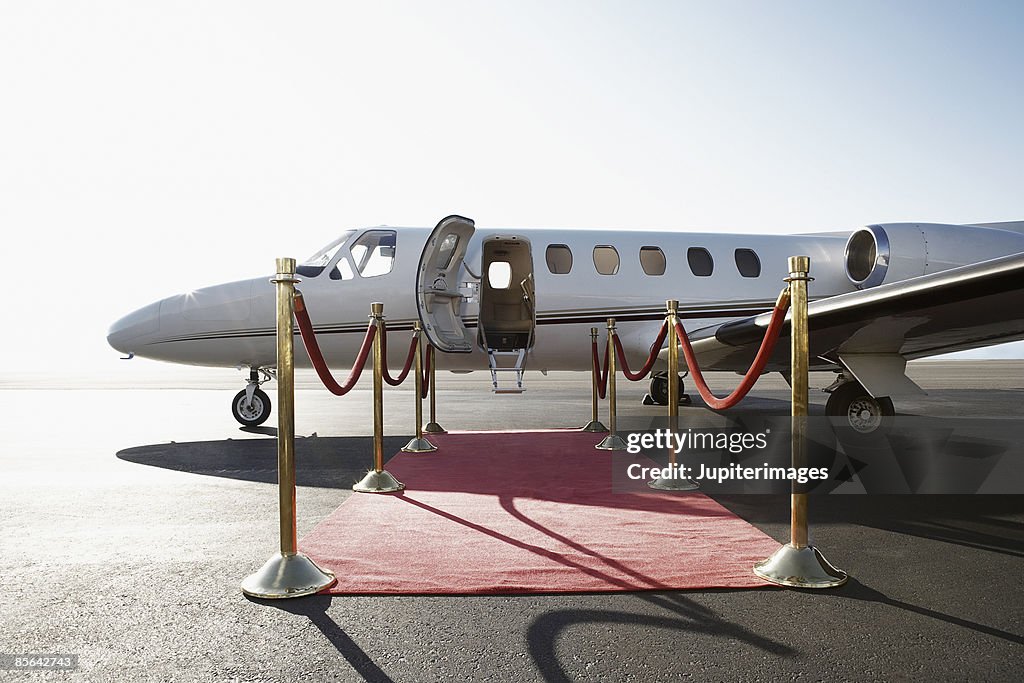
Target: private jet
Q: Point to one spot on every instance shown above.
(499, 300)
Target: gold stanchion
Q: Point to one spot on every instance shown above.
(378, 480)
(288, 573)
(673, 483)
(419, 444)
(612, 442)
(799, 564)
(595, 424)
(432, 427)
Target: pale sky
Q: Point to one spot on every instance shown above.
(150, 148)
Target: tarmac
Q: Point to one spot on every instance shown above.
(134, 505)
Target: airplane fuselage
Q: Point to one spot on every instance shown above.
(880, 296)
(233, 324)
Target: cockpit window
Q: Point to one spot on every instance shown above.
(316, 263)
(342, 270)
(374, 252)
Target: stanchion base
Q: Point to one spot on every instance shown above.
(682, 484)
(434, 428)
(800, 568)
(287, 576)
(419, 446)
(612, 442)
(594, 426)
(378, 482)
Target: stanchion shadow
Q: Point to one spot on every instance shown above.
(334, 462)
(854, 590)
(545, 552)
(685, 615)
(508, 504)
(314, 608)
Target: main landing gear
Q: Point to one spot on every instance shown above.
(659, 389)
(251, 406)
(855, 412)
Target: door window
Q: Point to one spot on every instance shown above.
(446, 251)
(499, 274)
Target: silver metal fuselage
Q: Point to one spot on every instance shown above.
(233, 324)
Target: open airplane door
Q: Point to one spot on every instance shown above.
(437, 295)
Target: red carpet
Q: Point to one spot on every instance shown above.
(529, 512)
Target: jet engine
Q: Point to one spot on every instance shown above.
(891, 252)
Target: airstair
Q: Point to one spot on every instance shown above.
(503, 362)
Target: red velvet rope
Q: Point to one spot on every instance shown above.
(651, 358)
(771, 336)
(602, 374)
(395, 381)
(317, 357)
(426, 371)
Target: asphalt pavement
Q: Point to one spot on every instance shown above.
(132, 507)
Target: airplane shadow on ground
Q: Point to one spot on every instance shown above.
(971, 521)
(331, 462)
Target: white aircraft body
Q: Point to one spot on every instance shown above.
(510, 299)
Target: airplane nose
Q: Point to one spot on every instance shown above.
(133, 329)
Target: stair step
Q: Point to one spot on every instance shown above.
(518, 366)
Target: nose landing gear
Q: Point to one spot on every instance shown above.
(251, 406)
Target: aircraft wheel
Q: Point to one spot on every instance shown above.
(659, 388)
(857, 414)
(254, 414)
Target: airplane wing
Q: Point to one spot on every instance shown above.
(874, 332)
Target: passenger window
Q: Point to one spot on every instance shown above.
(700, 261)
(748, 263)
(652, 260)
(499, 274)
(606, 260)
(559, 258)
(342, 270)
(374, 252)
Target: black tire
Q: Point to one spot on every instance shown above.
(659, 388)
(857, 415)
(254, 415)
